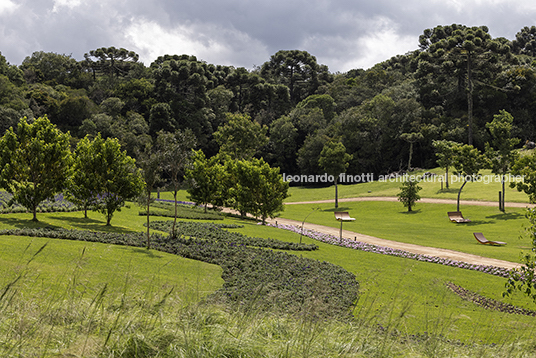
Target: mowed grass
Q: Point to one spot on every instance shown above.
(411, 297)
(98, 264)
(397, 295)
(427, 225)
(431, 188)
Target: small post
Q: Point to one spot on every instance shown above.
(341, 232)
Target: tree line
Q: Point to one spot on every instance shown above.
(37, 163)
(387, 117)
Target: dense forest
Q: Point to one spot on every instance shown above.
(458, 79)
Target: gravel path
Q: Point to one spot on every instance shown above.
(426, 250)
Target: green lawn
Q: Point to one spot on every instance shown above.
(430, 189)
(427, 225)
(413, 296)
(94, 262)
(397, 293)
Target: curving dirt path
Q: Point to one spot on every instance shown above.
(418, 249)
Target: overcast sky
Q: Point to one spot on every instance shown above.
(342, 34)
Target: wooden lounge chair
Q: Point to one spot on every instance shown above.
(481, 239)
(457, 217)
(342, 216)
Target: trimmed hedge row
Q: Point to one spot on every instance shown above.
(253, 277)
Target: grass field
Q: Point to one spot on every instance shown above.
(405, 307)
(431, 188)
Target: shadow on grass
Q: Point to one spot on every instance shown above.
(448, 191)
(139, 250)
(505, 216)
(342, 208)
(82, 223)
(26, 223)
(412, 212)
(476, 222)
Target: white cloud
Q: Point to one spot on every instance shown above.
(58, 4)
(207, 42)
(382, 45)
(7, 7)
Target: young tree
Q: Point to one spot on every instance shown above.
(35, 160)
(445, 150)
(82, 185)
(468, 161)
(334, 160)
(256, 188)
(409, 193)
(116, 177)
(176, 150)
(207, 178)
(150, 163)
(501, 150)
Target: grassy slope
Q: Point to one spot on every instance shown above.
(407, 294)
(412, 295)
(100, 264)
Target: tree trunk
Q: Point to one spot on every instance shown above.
(503, 193)
(469, 100)
(175, 217)
(459, 192)
(336, 195)
(148, 220)
(34, 211)
(447, 177)
(410, 156)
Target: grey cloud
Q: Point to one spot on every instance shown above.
(250, 31)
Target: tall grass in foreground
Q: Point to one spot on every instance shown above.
(167, 323)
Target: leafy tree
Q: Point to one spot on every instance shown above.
(468, 161)
(176, 150)
(82, 185)
(35, 159)
(501, 151)
(240, 137)
(52, 69)
(334, 160)
(256, 188)
(526, 167)
(116, 176)
(283, 146)
(409, 193)
(453, 59)
(298, 70)
(445, 151)
(525, 42)
(183, 83)
(207, 179)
